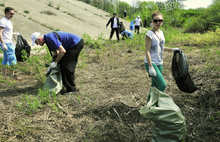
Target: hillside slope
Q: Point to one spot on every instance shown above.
(73, 16)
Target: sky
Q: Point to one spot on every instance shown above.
(188, 3)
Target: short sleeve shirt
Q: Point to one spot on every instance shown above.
(157, 47)
(137, 21)
(67, 40)
(8, 30)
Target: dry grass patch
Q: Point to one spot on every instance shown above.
(113, 87)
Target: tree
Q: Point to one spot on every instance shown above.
(145, 9)
(108, 6)
(161, 6)
(172, 5)
(121, 7)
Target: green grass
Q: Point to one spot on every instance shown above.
(50, 4)
(2, 4)
(58, 7)
(34, 66)
(26, 11)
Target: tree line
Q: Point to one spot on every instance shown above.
(192, 20)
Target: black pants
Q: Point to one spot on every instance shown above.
(137, 28)
(112, 32)
(68, 65)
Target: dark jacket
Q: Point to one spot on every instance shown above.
(125, 13)
(112, 21)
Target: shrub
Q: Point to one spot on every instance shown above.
(26, 11)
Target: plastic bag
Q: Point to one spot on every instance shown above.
(168, 123)
(54, 80)
(121, 27)
(180, 72)
(132, 25)
(22, 46)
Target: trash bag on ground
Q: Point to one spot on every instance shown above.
(23, 49)
(168, 123)
(54, 81)
(181, 74)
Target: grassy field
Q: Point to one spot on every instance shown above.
(114, 86)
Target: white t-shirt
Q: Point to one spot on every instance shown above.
(137, 21)
(8, 30)
(156, 51)
(115, 25)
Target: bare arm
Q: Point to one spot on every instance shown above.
(167, 49)
(148, 43)
(61, 52)
(1, 37)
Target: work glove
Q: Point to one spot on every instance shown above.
(152, 71)
(48, 69)
(4, 47)
(53, 65)
(175, 49)
(48, 72)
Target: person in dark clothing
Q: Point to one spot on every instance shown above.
(125, 14)
(145, 22)
(67, 47)
(114, 25)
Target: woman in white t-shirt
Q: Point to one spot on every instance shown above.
(154, 43)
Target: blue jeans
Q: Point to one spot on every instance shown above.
(157, 81)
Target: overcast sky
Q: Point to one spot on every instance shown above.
(188, 3)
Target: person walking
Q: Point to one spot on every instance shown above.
(137, 24)
(67, 47)
(125, 14)
(114, 25)
(154, 43)
(8, 47)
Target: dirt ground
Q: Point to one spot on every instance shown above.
(113, 88)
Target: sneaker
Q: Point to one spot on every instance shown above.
(16, 77)
(71, 92)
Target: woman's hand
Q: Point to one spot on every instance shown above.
(175, 49)
(152, 71)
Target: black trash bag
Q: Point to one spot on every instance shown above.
(181, 74)
(121, 27)
(23, 49)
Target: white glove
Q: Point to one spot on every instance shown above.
(48, 69)
(53, 65)
(4, 47)
(175, 49)
(152, 71)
